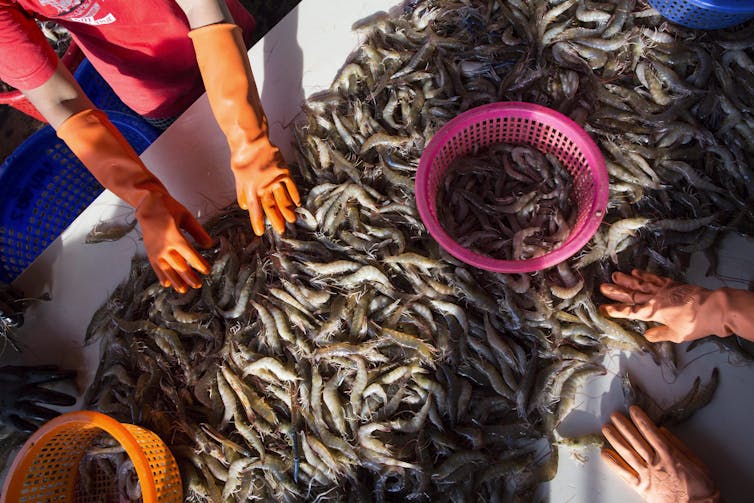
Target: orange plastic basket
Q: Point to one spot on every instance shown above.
(46, 468)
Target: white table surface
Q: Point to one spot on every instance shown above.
(300, 56)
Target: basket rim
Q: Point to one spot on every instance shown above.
(740, 7)
(122, 120)
(596, 210)
(27, 454)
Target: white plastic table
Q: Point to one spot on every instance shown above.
(300, 56)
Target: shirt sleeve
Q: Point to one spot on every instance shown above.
(26, 59)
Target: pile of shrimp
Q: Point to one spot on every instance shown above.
(352, 358)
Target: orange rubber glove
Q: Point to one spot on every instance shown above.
(655, 462)
(689, 312)
(112, 161)
(263, 183)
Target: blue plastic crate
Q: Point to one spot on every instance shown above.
(705, 14)
(44, 187)
(98, 90)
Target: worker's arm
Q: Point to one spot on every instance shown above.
(655, 462)
(28, 63)
(263, 183)
(688, 312)
(59, 98)
(203, 12)
(108, 156)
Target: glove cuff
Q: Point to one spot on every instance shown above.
(108, 156)
(737, 307)
(713, 498)
(233, 96)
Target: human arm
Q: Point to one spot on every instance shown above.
(24, 401)
(28, 63)
(655, 462)
(108, 156)
(687, 312)
(204, 12)
(263, 183)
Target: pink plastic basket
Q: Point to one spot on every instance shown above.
(516, 123)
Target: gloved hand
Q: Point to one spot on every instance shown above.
(655, 462)
(23, 400)
(689, 312)
(263, 183)
(109, 157)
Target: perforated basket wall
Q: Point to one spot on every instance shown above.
(516, 123)
(705, 14)
(98, 90)
(44, 187)
(47, 467)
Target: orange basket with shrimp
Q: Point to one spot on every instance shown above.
(48, 466)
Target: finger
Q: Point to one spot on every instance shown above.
(194, 259)
(174, 279)
(633, 283)
(178, 263)
(47, 374)
(649, 278)
(23, 424)
(292, 190)
(161, 276)
(616, 292)
(197, 231)
(663, 333)
(243, 201)
(678, 444)
(642, 312)
(284, 203)
(620, 467)
(273, 213)
(648, 430)
(257, 216)
(623, 447)
(634, 438)
(52, 397)
(36, 413)
(625, 295)
(191, 278)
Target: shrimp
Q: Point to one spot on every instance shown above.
(620, 230)
(109, 231)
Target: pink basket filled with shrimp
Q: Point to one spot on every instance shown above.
(512, 187)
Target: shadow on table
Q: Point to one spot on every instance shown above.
(282, 91)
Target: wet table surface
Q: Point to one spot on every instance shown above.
(297, 58)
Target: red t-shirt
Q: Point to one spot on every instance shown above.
(141, 48)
